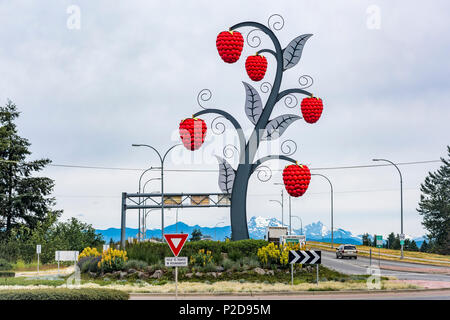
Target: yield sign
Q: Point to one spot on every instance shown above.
(176, 242)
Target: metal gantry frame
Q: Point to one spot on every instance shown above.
(169, 200)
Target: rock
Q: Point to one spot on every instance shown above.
(213, 274)
(219, 274)
(157, 274)
(131, 271)
(270, 272)
(259, 271)
(93, 274)
(198, 274)
(189, 275)
(220, 268)
(142, 275)
(122, 275)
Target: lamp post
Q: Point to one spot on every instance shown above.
(290, 198)
(401, 199)
(139, 216)
(301, 223)
(162, 159)
(281, 204)
(331, 186)
(215, 228)
(145, 201)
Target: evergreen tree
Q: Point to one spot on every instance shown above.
(365, 239)
(391, 240)
(424, 246)
(413, 246)
(396, 243)
(434, 206)
(196, 235)
(24, 198)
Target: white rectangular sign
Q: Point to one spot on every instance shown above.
(176, 261)
(402, 237)
(38, 248)
(66, 255)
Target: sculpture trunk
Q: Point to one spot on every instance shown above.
(239, 203)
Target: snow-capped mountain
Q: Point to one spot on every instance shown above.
(256, 228)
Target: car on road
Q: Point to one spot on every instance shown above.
(346, 250)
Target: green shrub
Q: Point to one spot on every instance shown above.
(7, 274)
(63, 294)
(135, 264)
(89, 264)
(5, 265)
(154, 253)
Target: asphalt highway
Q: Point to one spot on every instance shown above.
(360, 266)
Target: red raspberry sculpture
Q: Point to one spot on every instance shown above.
(192, 133)
(311, 109)
(230, 44)
(256, 67)
(296, 179)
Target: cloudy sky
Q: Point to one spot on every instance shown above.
(93, 77)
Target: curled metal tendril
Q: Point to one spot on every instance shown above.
(203, 96)
(290, 101)
(288, 147)
(253, 41)
(217, 126)
(265, 87)
(305, 81)
(275, 22)
(264, 173)
(229, 151)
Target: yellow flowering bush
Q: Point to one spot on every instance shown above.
(276, 254)
(201, 258)
(89, 252)
(112, 260)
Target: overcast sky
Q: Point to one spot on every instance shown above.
(132, 71)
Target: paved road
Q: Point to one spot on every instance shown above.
(360, 265)
(413, 295)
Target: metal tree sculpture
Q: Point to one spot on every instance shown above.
(235, 182)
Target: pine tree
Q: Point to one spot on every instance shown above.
(413, 246)
(24, 198)
(424, 246)
(365, 239)
(434, 206)
(196, 235)
(391, 240)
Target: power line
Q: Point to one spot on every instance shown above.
(213, 170)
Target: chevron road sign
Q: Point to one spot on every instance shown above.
(305, 257)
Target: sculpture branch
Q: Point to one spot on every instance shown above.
(271, 157)
(284, 93)
(233, 121)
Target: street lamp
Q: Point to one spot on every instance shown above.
(139, 216)
(331, 186)
(301, 223)
(215, 228)
(145, 201)
(401, 199)
(281, 204)
(162, 159)
(290, 222)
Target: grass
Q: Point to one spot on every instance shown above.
(21, 266)
(437, 259)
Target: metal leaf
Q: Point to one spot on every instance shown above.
(253, 103)
(226, 175)
(276, 127)
(293, 52)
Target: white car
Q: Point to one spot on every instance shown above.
(346, 250)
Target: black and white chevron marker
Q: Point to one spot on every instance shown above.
(305, 256)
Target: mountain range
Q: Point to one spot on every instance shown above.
(256, 227)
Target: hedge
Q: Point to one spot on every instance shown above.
(7, 274)
(152, 252)
(63, 294)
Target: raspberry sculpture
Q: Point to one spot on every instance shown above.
(296, 179)
(229, 45)
(192, 133)
(311, 109)
(256, 67)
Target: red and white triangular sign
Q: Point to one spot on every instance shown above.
(176, 242)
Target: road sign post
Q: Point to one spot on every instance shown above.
(305, 257)
(176, 242)
(38, 251)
